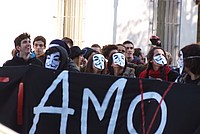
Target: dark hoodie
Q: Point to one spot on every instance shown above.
(66, 63)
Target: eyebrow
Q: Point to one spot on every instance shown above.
(56, 56)
(25, 41)
(159, 54)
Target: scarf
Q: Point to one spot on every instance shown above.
(155, 74)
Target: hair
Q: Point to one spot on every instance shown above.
(89, 66)
(121, 45)
(127, 42)
(40, 38)
(14, 52)
(137, 52)
(21, 37)
(77, 61)
(107, 49)
(110, 68)
(191, 57)
(68, 40)
(149, 63)
(96, 45)
(169, 58)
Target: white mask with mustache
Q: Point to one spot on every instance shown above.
(53, 61)
(98, 61)
(119, 59)
(160, 59)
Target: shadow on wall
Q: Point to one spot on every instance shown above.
(189, 21)
(136, 29)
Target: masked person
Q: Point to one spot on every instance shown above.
(117, 66)
(157, 67)
(189, 64)
(96, 64)
(57, 57)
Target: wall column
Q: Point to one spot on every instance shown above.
(73, 23)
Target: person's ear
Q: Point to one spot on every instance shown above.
(17, 48)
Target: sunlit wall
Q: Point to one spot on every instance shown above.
(114, 21)
(104, 22)
(189, 17)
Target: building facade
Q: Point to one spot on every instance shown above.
(101, 22)
(114, 21)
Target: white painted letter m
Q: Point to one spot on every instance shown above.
(101, 109)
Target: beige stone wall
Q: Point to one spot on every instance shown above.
(74, 20)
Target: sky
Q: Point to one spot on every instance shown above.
(32, 16)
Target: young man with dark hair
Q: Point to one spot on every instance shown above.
(97, 48)
(23, 56)
(130, 53)
(39, 45)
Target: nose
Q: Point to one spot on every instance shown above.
(37, 46)
(49, 61)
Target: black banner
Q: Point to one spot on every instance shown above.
(37, 100)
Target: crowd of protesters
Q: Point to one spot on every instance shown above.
(121, 60)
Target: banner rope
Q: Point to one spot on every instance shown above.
(142, 106)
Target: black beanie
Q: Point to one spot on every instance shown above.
(58, 42)
(87, 52)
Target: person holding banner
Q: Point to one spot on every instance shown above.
(157, 67)
(22, 54)
(117, 66)
(190, 71)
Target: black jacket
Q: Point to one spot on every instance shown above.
(18, 61)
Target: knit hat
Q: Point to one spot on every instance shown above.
(58, 42)
(87, 52)
(75, 52)
(155, 40)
